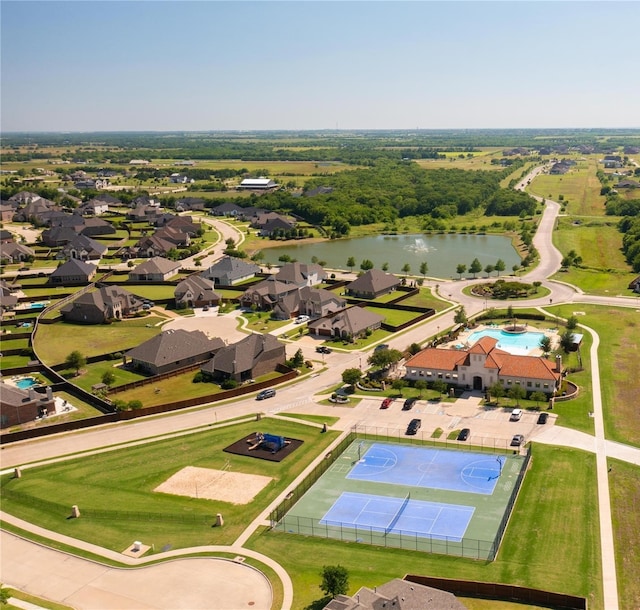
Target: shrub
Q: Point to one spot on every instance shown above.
(198, 377)
(229, 384)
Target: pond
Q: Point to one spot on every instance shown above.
(442, 253)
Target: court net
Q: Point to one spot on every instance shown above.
(398, 514)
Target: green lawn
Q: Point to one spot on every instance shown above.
(121, 481)
(619, 366)
(596, 281)
(53, 346)
(425, 298)
(395, 317)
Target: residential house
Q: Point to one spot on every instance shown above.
(628, 184)
(74, 271)
(484, 365)
(190, 203)
(91, 183)
(300, 274)
(108, 199)
(251, 357)
(349, 323)
(228, 209)
(319, 190)
(372, 284)
(172, 350)
(180, 179)
(309, 301)
(397, 594)
(93, 207)
(101, 305)
(635, 284)
(57, 236)
(196, 291)
(145, 200)
(267, 294)
(83, 248)
(257, 184)
(144, 213)
(7, 212)
(230, 270)
(97, 226)
(152, 245)
(8, 300)
(156, 269)
(19, 406)
(25, 197)
(13, 252)
(6, 236)
(276, 226)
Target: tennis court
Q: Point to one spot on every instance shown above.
(398, 515)
(429, 467)
(410, 496)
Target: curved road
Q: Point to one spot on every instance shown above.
(296, 396)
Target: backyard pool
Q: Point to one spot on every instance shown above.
(514, 343)
(26, 382)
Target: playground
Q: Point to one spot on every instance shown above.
(264, 446)
(407, 496)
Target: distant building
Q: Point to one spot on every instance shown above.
(257, 184)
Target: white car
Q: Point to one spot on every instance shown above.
(516, 414)
(302, 319)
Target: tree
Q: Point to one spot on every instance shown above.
(75, 360)
(566, 341)
(497, 391)
(517, 393)
(398, 385)
(335, 580)
(385, 267)
(421, 386)
(440, 386)
(351, 263)
(461, 316)
(460, 269)
(499, 266)
(5, 596)
(108, 377)
(366, 264)
(406, 268)
(414, 349)
(572, 322)
(489, 269)
(475, 267)
(545, 345)
(424, 268)
(538, 397)
(298, 359)
(384, 358)
(351, 377)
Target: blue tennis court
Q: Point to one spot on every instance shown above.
(400, 516)
(427, 467)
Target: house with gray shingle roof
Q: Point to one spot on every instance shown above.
(14, 252)
(230, 270)
(173, 349)
(156, 269)
(484, 365)
(372, 284)
(350, 322)
(74, 271)
(300, 274)
(19, 406)
(83, 248)
(196, 291)
(251, 357)
(99, 306)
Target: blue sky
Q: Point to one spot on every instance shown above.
(111, 66)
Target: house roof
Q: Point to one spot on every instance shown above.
(353, 320)
(373, 281)
(201, 287)
(298, 273)
(243, 355)
(74, 267)
(15, 397)
(104, 297)
(155, 265)
(508, 365)
(173, 345)
(232, 267)
(82, 242)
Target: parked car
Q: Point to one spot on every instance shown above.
(323, 349)
(302, 319)
(463, 435)
(380, 347)
(268, 393)
(542, 418)
(517, 440)
(408, 404)
(414, 426)
(516, 414)
(386, 403)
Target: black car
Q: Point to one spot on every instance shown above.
(322, 349)
(268, 393)
(542, 418)
(380, 347)
(463, 435)
(408, 404)
(414, 426)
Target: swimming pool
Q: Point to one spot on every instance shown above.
(519, 344)
(39, 305)
(26, 382)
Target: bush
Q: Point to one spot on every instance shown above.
(198, 377)
(229, 384)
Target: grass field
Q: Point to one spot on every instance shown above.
(52, 340)
(395, 317)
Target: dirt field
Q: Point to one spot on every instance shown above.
(222, 485)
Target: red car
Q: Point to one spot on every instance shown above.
(386, 402)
